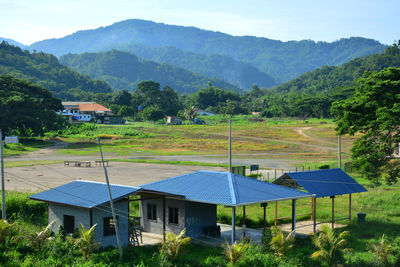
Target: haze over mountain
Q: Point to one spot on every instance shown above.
(123, 70)
(12, 42)
(281, 60)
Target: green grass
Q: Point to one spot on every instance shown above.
(25, 146)
(273, 136)
(12, 164)
(172, 162)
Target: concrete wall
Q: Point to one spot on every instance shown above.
(198, 216)
(194, 216)
(156, 226)
(57, 212)
(121, 210)
(82, 216)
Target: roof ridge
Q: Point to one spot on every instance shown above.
(232, 188)
(96, 182)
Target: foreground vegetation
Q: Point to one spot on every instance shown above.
(364, 240)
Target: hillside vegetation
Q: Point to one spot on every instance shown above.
(45, 69)
(281, 60)
(334, 79)
(123, 70)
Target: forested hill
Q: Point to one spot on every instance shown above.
(241, 74)
(123, 70)
(44, 69)
(12, 42)
(281, 60)
(341, 78)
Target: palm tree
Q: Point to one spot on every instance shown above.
(280, 243)
(173, 244)
(382, 251)
(86, 242)
(331, 246)
(233, 253)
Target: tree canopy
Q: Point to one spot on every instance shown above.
(374, 111)
(27, 108)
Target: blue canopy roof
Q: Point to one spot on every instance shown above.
(224, 188)
(322, 183)
(84, 194)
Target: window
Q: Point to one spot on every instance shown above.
(173, 215)
(69, 224)
(109, 226)
(152, 212)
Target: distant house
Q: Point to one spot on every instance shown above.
(89, 111)
(174, 120)
(204, 113)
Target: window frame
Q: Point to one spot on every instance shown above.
(173, 215)
(151, 211)
(109, 226)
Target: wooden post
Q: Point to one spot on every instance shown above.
(349, 208)
(293, 214)
(315, 215)
(333, 211)
(233, 224)
(265, 216)
(244, 223)
(276, 213)
(312, 209)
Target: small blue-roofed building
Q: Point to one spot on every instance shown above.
(323, 183)
(88, 203)
(202, 192)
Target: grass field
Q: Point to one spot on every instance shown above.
(312, 140)
(25, 146)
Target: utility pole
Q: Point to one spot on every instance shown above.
(230, 145)
(340, 150)
(3, 190)
(111, 201)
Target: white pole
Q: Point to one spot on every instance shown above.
(111, 201)
(340, 150)
(3, 190)
(230, 146)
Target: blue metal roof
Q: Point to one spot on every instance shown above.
(223, 188)
(323, 183)
(84, 194)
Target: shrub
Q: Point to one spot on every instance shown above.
(280, 243)
(173, 245)
(233, 253)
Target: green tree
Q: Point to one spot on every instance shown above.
(374, 111)
(26, 107)
(121, 98)
(331, 245)
(153, 113)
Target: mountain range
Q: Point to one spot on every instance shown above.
(123, 70)
(240, 60)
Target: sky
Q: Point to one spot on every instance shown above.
(28, 21)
